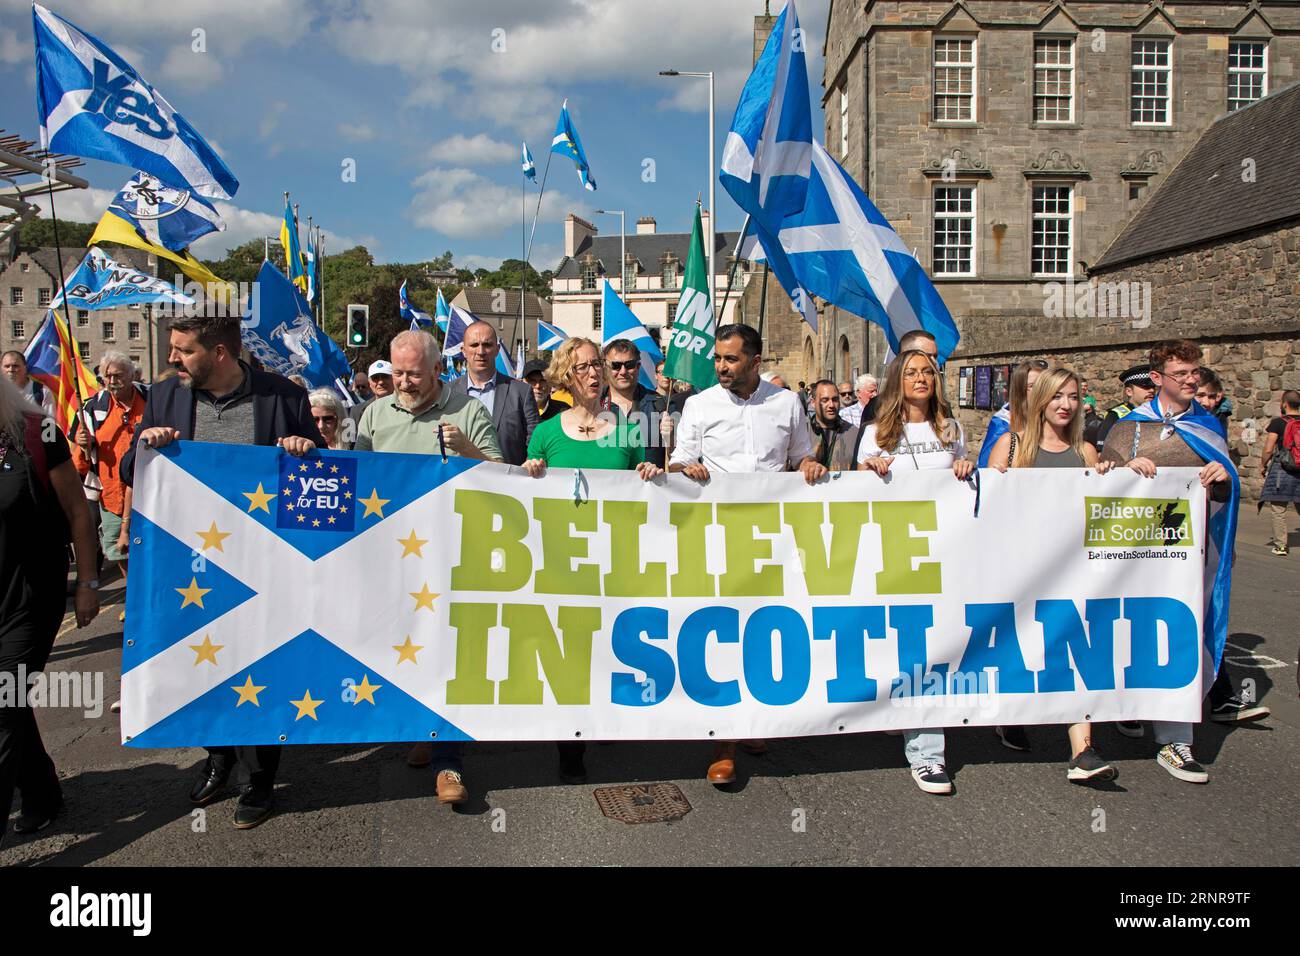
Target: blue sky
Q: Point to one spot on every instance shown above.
(431, 99)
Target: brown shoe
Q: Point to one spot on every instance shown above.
(755, 748)
(421, 755)
(723, 769)
(450, 788)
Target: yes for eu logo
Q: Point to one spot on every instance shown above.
(316, 495)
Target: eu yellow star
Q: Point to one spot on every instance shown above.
(302, 467)
(288, 506)
(330, 519)
(365, 690)
(288, 491)
(258, 499)
(334, 469)
(302, 518)
(306, 707)
(374, 504)
(192, 594)
(207, 651)
(344, 480)
(248, 692)
(315, 522)
(343, 509)
(212, 538)
(412, 545)
(319, 464)
(407, 651)
(423, 597)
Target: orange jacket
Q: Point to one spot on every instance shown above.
(114, 432)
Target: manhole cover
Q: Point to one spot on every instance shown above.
(644, 803)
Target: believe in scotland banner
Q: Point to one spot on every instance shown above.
(350, 597)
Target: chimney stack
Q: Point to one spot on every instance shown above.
(575, 231)
(645, 226)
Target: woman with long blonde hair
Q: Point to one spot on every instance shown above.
(914, 430)
(1052, 437)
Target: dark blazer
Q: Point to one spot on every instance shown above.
(280, 410)
(514, 413)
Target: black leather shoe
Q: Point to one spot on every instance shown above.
(210, 784)
(254, 806)
(34, 822)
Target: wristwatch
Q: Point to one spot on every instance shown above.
(93, 584)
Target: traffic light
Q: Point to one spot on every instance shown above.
(358, 326)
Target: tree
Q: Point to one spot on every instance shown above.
(441, 262)
(39, 234)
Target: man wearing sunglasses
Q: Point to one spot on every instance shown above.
(102, 433)
(626, 396)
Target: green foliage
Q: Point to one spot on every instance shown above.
(39, 234)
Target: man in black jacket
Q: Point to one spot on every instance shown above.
(216, 397)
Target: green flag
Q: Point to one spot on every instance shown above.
(690, 350)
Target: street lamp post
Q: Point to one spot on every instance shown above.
(713, 181)
(622, 251)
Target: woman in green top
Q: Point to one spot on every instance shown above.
(584, 437)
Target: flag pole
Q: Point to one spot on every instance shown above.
(731, 276)
(523, 247)
(63, 291)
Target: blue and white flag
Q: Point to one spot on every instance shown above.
(999, 425)
(619, 322)
(567, 143)
(101, 283)
(419, 320)
(279, 331)
(549, 337)
(768, 152)
(841, 248)
(504, 365)
(311, 268)
(458, 320)
(92, 103)
(167, 217)
(530, 168)
(441, 312)
(1203, 434)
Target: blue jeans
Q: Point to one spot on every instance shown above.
(446, 756)
(923, 746)
(1171, 732)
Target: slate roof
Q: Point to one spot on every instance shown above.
(1205, 198)
(645, 249)
(480, 301)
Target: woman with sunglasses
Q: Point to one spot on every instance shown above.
(327, 412)
(584, 436)
(1052, 437)
(914, 430)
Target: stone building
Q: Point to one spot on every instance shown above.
(27, 285)
(501, 308)
(1008, 143)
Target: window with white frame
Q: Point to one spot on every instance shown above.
(1247, 72)
(15, 295)
(672, 313)
(83, 349)
(1152, 81)
(954, 80)
(629, 275)
(133, 331)
(670, 275)
(108, 331)
(43, 296)
(588, 276)
(18, 329)
(595, 315)
(83, 318)
(954, 231)
(1053, 230)
(1053, 80)
(844, 122)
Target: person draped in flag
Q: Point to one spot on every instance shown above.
(1052, 437)
(1011, 416)
(1171, 431)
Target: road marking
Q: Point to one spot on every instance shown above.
(1250, 659)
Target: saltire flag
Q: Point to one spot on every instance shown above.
(841, 248)
(279, 330)
(115, 229)
(101, 283)
(167, 217)
(273, 528)
(310, 263)
(999, 425)
(567, 143)
(292, 253)
(690, 347)
(418, 319)
(619, 322)
(52, 360)
(1203, 434)
(519, 359)
(767, 155)
(458, 320)
(92, 103)
(549, 337)
(529, 167)
(441, 313)
(504, 365)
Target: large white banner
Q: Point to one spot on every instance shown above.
(469, 601)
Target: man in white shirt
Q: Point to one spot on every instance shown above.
(740, 426)
(866, 387)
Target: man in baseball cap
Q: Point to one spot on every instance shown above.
(535, 376)
(380, 376)
(1138, 389)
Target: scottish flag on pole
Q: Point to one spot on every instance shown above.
(504, 365)
(549, 337)
(92, 103)
(529, 167)
(441, 312)
(101, 283)
(309, 261)
(167, 217)
(768, 151)
(458, 320)
(418, 319)
(278, 329)
(619, 322)
(567, 143)
(841, 248)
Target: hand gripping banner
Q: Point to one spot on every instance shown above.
(350, 597)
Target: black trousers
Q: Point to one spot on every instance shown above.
(26, 640)
(257, 765)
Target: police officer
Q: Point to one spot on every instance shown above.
(1138, 390)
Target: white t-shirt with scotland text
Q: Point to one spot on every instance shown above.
(919, 450)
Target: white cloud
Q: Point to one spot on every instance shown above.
(271, 119)
(474, 262)
(79, 205)
(12, 49)
(361, 132)
(196, 71)
(477, 150)
(464, 205)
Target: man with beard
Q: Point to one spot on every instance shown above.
(217, 397)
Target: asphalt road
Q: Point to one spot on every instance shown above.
(842, 800)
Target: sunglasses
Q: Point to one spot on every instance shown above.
(624, 366)
(846, 394)
(324, 418)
